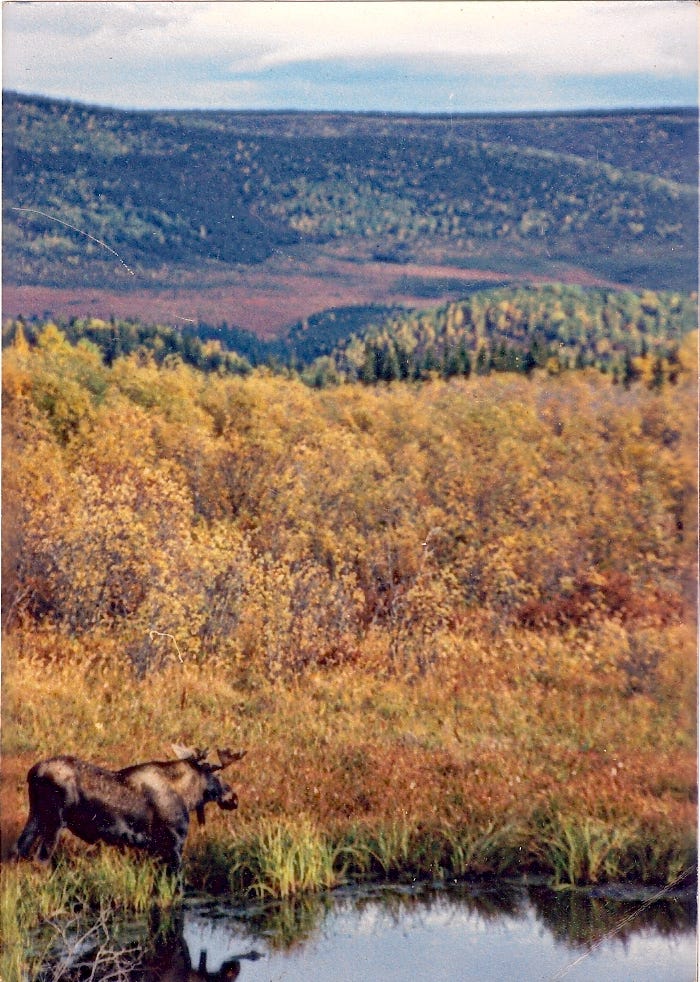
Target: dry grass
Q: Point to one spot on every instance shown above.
(524, 753)
(506, 732)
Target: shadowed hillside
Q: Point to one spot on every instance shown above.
(139, 199)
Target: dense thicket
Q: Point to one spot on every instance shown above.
(196, 189)
(271, 525)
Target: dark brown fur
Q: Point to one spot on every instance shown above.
(146, 805)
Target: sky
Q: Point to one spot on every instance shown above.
(400, 56)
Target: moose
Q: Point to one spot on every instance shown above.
(146, 805)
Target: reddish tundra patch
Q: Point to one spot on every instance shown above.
(267, 298)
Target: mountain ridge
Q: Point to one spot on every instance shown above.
(192, 200)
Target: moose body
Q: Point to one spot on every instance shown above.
(146, 805)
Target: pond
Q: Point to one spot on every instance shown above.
(485, 932)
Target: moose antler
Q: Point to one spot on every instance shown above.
(230, 756)
(198, 756)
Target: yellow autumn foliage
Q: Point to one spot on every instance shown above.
(258, 520)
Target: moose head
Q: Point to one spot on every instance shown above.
(213, 789)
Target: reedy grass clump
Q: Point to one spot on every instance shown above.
(490, 850)
(282, 858)
(405, 850)
(390, 848)
(583, 850)
(577, 851)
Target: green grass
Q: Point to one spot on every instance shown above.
(579, 851)
(286, 858)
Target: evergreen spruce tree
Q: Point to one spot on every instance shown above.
(657, 374)
(368, 372)
(431, 362)
(629, 372)
(465, 363)
(452, 364)
(407, 367)
(388, 368)
(483, 361)
(530, 362)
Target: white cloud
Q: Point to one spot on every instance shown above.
(597, 37)
(148, 54)
(79, 20)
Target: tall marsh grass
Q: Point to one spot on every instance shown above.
(282, 858)
(584, 850)
(578, 850)
(491, 850)
(289, 858)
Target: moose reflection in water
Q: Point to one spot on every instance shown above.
(169, 951)
(205, 939)
(146, 805)
(180, 957)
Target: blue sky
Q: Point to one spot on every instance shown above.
(396, 56)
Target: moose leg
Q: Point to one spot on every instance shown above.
(168, 839)
(39, 834)
(50, 814)
(28, 838)
(49, 837)
(46, 807)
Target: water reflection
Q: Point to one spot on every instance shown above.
(309, 938)
(584, 919)
(193, 948)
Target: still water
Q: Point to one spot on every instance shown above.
(456, 934)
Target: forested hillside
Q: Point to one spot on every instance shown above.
(204, 192)
(556, 328)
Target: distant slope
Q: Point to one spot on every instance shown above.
(320, 334)
(184, 197)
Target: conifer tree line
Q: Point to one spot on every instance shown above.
(630, 336)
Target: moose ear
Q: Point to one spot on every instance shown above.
(230, 756)
(188, 753)
(182, 752)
